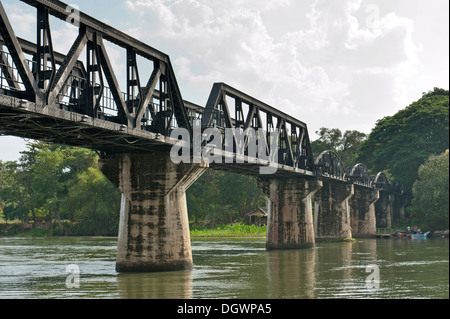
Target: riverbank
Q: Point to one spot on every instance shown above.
(196, 231)
(226, 230)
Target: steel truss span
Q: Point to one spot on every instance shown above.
(54, 96)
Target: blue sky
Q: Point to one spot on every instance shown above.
(338, 64)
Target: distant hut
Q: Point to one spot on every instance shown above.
(258, 217)
(36, 222)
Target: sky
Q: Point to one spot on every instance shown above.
(329, 63)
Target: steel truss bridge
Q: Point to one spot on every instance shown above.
(52, 96)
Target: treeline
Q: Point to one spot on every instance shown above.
(401, 143)
(410, 147)
(64, 183)
(222, 197)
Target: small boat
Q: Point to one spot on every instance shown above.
(420, 235)
(409, 235)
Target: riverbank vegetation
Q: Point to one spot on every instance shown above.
(430, 203)
(228, 230)
(63, 183)
(411, 147)
(401, 143)
(235, 230)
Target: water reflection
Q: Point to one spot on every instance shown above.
(167, 285)
(291, 273)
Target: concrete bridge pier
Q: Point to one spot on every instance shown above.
(362, 211)
(383, 210)
(154, 229)
(399, 204)
(332, 211)
(290, 222)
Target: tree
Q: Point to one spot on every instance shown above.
(15, 191)
(93, 202)
(344, 145)
(401, 143)
(223, 197)
(46, 171)
(431, 192)
(7, 172)
(60, 182)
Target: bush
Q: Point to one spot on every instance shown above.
(431, 193)
(229, 230)
(10, 229)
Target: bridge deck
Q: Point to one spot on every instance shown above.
(27, 120)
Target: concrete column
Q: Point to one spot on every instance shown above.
(383, 210)
(362, 211)
(390, 217)
(398, 207)
(332, 211)
(290, 222)
(154, 228)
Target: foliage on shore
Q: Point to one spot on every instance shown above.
(229, 230)
(59, 182)
(224, 230)
(400, 144)
(430, 204)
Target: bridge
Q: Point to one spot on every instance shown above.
(154, 145)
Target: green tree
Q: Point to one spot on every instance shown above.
(401, 143)
(46, 181)
(46, 170)
(344, 145)
(15, 191)
(222, 197)
(93, 203)
(431, 193)
(60, 182)
(7, 173)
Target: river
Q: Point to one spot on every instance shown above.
(80, 267)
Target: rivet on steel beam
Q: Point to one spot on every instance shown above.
(23, 104)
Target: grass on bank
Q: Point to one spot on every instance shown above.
(224, 230)
(228, 230)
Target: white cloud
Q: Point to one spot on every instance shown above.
(335, 66)
(22, 19)
(26, 23)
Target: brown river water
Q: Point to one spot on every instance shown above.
(80, 267)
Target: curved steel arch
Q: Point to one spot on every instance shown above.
(329, 163)
(396, 187)
(358, 174)
(381, 182)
